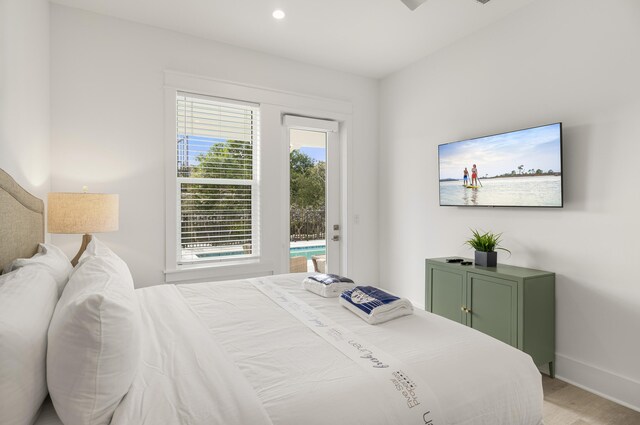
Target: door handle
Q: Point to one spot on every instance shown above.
(335, 238)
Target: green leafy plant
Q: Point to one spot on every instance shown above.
(485, 242)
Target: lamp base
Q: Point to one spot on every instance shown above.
(85, 241)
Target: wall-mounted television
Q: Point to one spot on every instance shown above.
(521, 168)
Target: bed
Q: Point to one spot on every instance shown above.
(226, 346)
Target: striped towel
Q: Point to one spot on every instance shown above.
(327, 285)
(374, 305)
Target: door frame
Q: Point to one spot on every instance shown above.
(337, 129)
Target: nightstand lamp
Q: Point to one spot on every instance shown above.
(82, 213)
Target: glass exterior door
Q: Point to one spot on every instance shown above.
(314, 199)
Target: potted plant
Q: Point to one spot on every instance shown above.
(485, 245)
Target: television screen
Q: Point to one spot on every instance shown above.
(518, 169)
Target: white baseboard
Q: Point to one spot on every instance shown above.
(606, 384)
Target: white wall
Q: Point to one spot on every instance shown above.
(107, 127)
(24, 93)
(574, 61)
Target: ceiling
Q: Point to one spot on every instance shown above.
(372, 38)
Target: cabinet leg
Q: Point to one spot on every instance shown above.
(552, 373)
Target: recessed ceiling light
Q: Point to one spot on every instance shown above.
(278, 14)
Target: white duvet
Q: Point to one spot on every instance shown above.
(185, 376)
(223, 353)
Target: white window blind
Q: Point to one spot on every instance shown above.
(217, 170)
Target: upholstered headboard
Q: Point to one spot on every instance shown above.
(21, 221)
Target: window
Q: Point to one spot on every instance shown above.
(217, 179)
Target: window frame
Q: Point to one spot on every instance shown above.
(174, 270)
(254, 183)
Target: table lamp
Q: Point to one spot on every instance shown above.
(82, 213)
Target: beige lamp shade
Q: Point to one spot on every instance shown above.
(82, 213)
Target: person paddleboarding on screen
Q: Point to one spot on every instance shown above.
(474, 176)
(466, 176)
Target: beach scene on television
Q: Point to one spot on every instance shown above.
(520, 169)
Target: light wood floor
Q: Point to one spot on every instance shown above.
(565, 404)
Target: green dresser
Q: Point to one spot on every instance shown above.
(513, 304)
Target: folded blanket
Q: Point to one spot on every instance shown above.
(374, 305)
(327, 285)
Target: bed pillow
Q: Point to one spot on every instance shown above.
(28, 298)
(97, 248)
(51, 258)
(94, 344)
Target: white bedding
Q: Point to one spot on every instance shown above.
(224, 353)
(185, 376)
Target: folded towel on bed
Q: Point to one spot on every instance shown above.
(327, 285)
(374, 305)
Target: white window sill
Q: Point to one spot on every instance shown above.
(219, 271)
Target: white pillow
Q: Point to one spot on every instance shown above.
(28, 298)
(94, 339)
(52, 259)
(97, 248)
